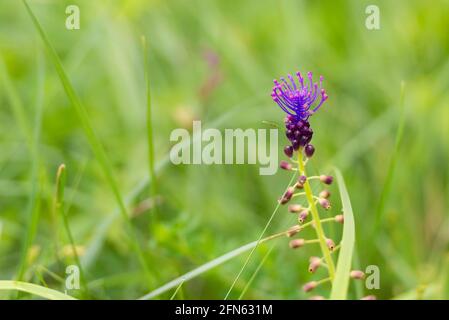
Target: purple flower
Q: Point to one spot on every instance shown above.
(298, 100)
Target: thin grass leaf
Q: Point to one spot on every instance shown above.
(94, 142)
(36, 177)
(209, 265)
(341, 281)
(391, 168)
(253, 276)
(59, 211)
(34, 289)
(150, 136)
(176, 291)
(17, 106)
(200, 270)
(258, 241)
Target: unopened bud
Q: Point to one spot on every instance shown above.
(309, 286)
(309, 150)
(330, 244)
(292, 231)
(303, 215)
(288, 150)
(357, 274)
(339, 218)
(326, 179)
(287, 195)
(301, 180)
(371, 297)
(295, 208)
(297, 243)
(324, 203)
(317, 298)
(325, 194)
(285, 165)
(315, 262)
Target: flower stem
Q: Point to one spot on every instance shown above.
(316, 218)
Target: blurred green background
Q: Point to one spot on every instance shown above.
(214, 61)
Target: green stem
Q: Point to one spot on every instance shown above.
(316, 218)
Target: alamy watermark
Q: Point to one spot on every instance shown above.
(72, 22)
(233, 146)
(372, 21)
(72, 280)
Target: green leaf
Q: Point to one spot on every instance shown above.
(341, 282)
(34, 289)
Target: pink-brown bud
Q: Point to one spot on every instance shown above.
(287, 195)
(295, 208)
(292, 231)
(357, 274)
(326, 179)
(330, 244)
(309, 286)
(371, 297)
(325, 194)
(301, 180)
(324, 203)
(339, 218)
(303, 215)
(285, 165)
(317, 298)
(315, 262)
(297, 243)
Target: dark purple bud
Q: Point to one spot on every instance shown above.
(309, 150)
(326, 179)
(287, 195)
(295, 144)
(303, 140)
(285, 165)
(288, 150)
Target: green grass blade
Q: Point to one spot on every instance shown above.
(34, 289)
(17, 106)
(33, 210)
(150, 137)
(59, 210)
(341, 282)
(176, 291)
(94, 142)
(258, 241)
(200, 270)
(254, 275)
(391, 168)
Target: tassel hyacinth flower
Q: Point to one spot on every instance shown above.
(300, 99)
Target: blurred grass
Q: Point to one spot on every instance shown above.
(213, 61)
